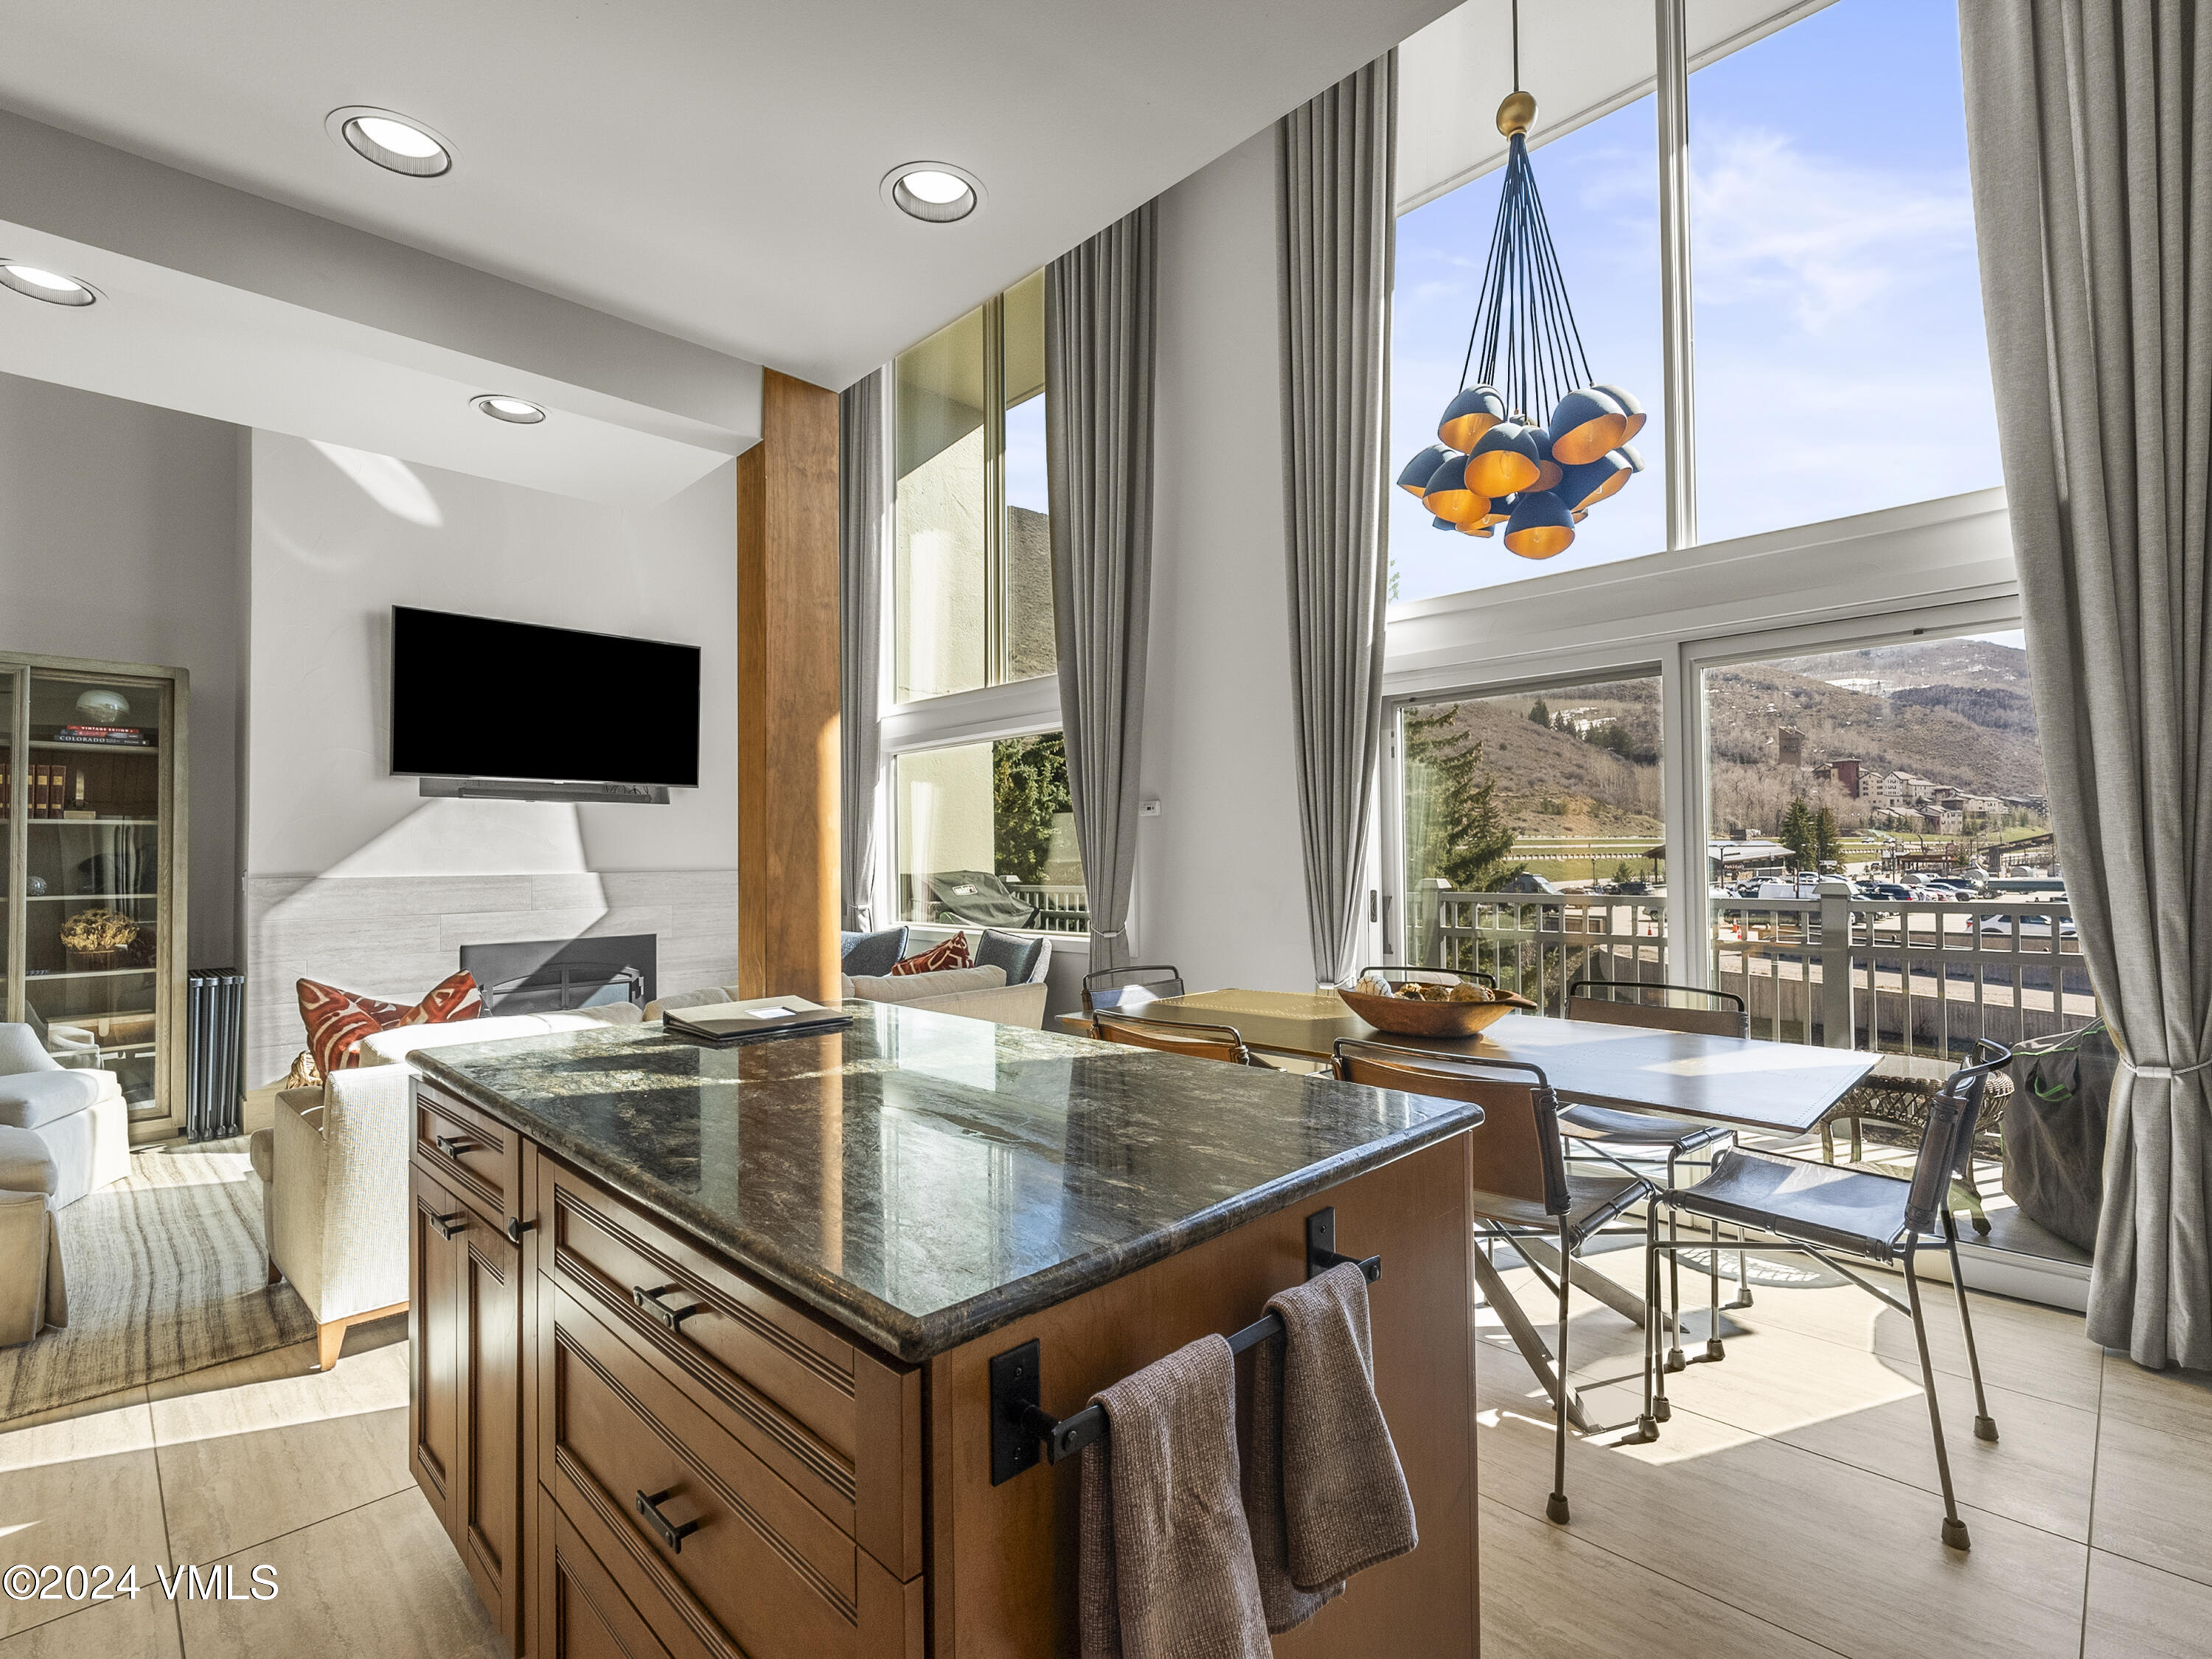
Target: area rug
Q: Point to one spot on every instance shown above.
(166, 1275)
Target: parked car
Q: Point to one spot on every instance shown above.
(1896, 892)
(1527, 881)
(1803, 887)
(1632, 889)
(2029, 927)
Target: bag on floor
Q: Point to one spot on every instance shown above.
(2054, 1130)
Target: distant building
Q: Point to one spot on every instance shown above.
(1899, 788)
(1791, 743)
(1844, 774)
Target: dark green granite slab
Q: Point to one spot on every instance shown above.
(920, 1178)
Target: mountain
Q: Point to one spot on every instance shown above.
(1953, 711)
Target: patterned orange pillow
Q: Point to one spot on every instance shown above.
(337, 1020)
(953, 953)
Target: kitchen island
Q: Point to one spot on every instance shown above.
(702, 1339)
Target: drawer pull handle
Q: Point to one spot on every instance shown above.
(453, 1146)
(672, 1532)
(448, 1225)
(650, 1302)
(516, 1226)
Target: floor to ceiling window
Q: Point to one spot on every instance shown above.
(1841, 361)
(971, 556)
(1909, 771)
(1553, 790)
(1600, 189)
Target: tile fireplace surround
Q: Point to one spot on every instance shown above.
(396, 936)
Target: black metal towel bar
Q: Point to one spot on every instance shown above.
(1023, 1432)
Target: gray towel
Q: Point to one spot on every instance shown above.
(1327, 1498)
(1166, 1567)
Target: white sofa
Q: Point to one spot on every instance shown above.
(78, 1112)
(975, 992)
(333, 1167)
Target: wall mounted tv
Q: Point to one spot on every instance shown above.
(513, 703)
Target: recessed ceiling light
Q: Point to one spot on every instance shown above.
(39, 283)
(936, 192)
(511, 409)
(397, 143)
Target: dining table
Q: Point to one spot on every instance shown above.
(1749, 1083)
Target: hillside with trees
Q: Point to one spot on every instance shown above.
(1584, 763)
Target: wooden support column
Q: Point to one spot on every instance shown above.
(789, 774)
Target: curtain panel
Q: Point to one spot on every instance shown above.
(2090, 132)
(1099, 304)
(863, 498)
(1336, 237)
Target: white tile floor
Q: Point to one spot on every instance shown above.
(263, 1462)
(1788, 1507)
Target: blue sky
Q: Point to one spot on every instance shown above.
(1841, 363)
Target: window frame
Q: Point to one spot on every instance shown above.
(998, 645)
(1940, 567)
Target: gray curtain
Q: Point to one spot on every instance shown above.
(860, 503)
(1099, 301)
(1336, 237)
(2090, 127)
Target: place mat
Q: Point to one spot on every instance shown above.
(1314, 1006)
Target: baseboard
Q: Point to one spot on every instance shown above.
(2027, 1278)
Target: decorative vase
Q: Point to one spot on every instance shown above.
(92, 962)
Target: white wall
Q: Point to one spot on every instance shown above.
(119, 540)
(352, 876)
(1220, 878)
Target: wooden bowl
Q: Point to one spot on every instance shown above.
(1403, 1017)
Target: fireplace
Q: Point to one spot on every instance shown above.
(544, 976)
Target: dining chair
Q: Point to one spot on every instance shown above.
(1149, 982)
(1826, 1211)
(1524, 1189)
(1627, 1137)
(1174, 1037)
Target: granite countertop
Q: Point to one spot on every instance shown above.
(920, 1179)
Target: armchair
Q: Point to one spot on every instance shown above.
(333, 1166)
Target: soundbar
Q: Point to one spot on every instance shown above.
(642, 794)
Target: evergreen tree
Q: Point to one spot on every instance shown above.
(1468, 841)
(1797, 833)
(1538, 714)
(1827, 839)
(1028, 789)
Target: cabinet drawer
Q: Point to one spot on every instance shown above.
(476, 1155)
(717, 1552)
(581, 1611)
(836, 1424)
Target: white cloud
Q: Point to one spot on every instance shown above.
(1828, 238)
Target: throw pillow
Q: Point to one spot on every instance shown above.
(871, 955)
(953, 953)
(1018, 956)
(338, 1020)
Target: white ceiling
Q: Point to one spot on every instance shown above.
(709, 168)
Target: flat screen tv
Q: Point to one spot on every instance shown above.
(475, 697)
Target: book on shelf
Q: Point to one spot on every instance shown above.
(129, 734)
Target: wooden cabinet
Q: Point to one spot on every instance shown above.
(692, 1468)
(464, 1395)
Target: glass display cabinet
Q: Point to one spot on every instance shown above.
(92, 802)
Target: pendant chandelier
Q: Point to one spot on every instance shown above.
(1493, 464)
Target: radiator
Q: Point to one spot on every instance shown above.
(215, 1052)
